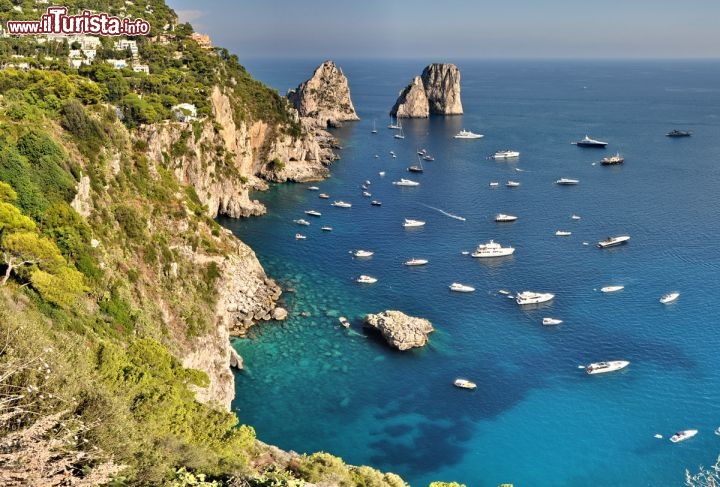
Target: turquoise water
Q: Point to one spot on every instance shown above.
(535, 419)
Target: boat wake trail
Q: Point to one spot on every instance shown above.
(461, 218)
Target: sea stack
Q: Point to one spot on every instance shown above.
(400, 330)
(436, 92)
(324, 99)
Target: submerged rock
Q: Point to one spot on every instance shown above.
(436, 92)
(400, 330)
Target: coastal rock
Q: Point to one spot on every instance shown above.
(400, 330)
(279, 314)
(440, 86)
(325, 97)
(412, 102)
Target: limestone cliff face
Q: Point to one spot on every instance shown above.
(436, 92)
(412, 102)
(325, 97)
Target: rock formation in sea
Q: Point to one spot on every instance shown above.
(324, 99)
(440, 93)
(400, 330)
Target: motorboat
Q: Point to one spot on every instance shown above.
(376, 203)
(392, 153)
(575, 217)
(427, 157)
(604, 367)
(669, 297)
(512, 184)
(494, 184)
(679, 133)
(301, 221)
(683, 435)
(422, 152)
(467, 134)
(611, 289)
(363, 279)
(613, 241)
(363, 186)
(367, 194)
(313, 213)
(461, 288)
(406, 182)
(562, 233)
(551, 321)
(313, 188)
(300, 236)
(588, 142)
(464, 384)
(612, 160)
(342, 204)
(344, 321)
(567, 181)
(531, 297)
(367, 181)
(326, 229)
(505, 154)
(492, 249)
(410, 223)
(413, 262)
(362, 253)
(502, 217)
(381, 173)
(324, 196)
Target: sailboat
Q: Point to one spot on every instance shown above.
(399, 135)
(395, 126)
(416, 167)
(374, 130)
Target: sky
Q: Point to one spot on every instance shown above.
(482, 29)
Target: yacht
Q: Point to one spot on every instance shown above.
(588, 142)
(683, 435)
(406, 182)
(669, 297)
(344, 321)
(613, 241)
(376, 203)
(313, 213)
(603, 367)
(410, 223)
(324, 196)
(502, 217)
(461, 288)
(679, 133)
(363, 279)
(505, 154)
(551, 321)
(611, 289)
(512, 184)
(464, 384)
(326, 229)
(301, 221)
(313, 188)
(466, 134)
(531, 297)
(414, 261)
(362, 253)
(492, 249)
(562, 233)
(342, 204)
(300, 236)
(612, 160)
(567, 181)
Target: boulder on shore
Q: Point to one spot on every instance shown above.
(400, 330)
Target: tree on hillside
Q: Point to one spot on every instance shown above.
(23, 249)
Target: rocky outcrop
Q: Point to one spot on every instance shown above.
(400, 330)
(436, 92)
(324, 99)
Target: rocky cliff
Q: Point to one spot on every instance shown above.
(400, 330)
(436, 92)
(324, 99)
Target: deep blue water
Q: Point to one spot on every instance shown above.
(535, 419)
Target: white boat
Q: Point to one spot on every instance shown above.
(416, 167)
(313, 213)
(367, 181)
(505, 154)
(611, 289)
(494, 184)
(381, 173)
(551, 321)
(313, 188)
(613, 241)
(464, 384)
(567, 181)
(363, 253)
(502, 217)
(410, 223)
(603, 367)
(342, 204)
(669, 297)
(428, 157)
(326, 229)
(367, 194)
(363, 279)
(395, 126)
(399, 135)
(374, 130)
(575, 217)
(562, 233)
(466, 134)
(588, 142)
(492, 249)
(461, 288)
(531, 297)
(612, 160)
(324, 196)
(344, 321)
(301, 221)
(683, 435)
(412, 262)
(300, 236)
(512, 184)
(376, 203)
(406, 182)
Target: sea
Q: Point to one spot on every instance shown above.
(536, 418)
